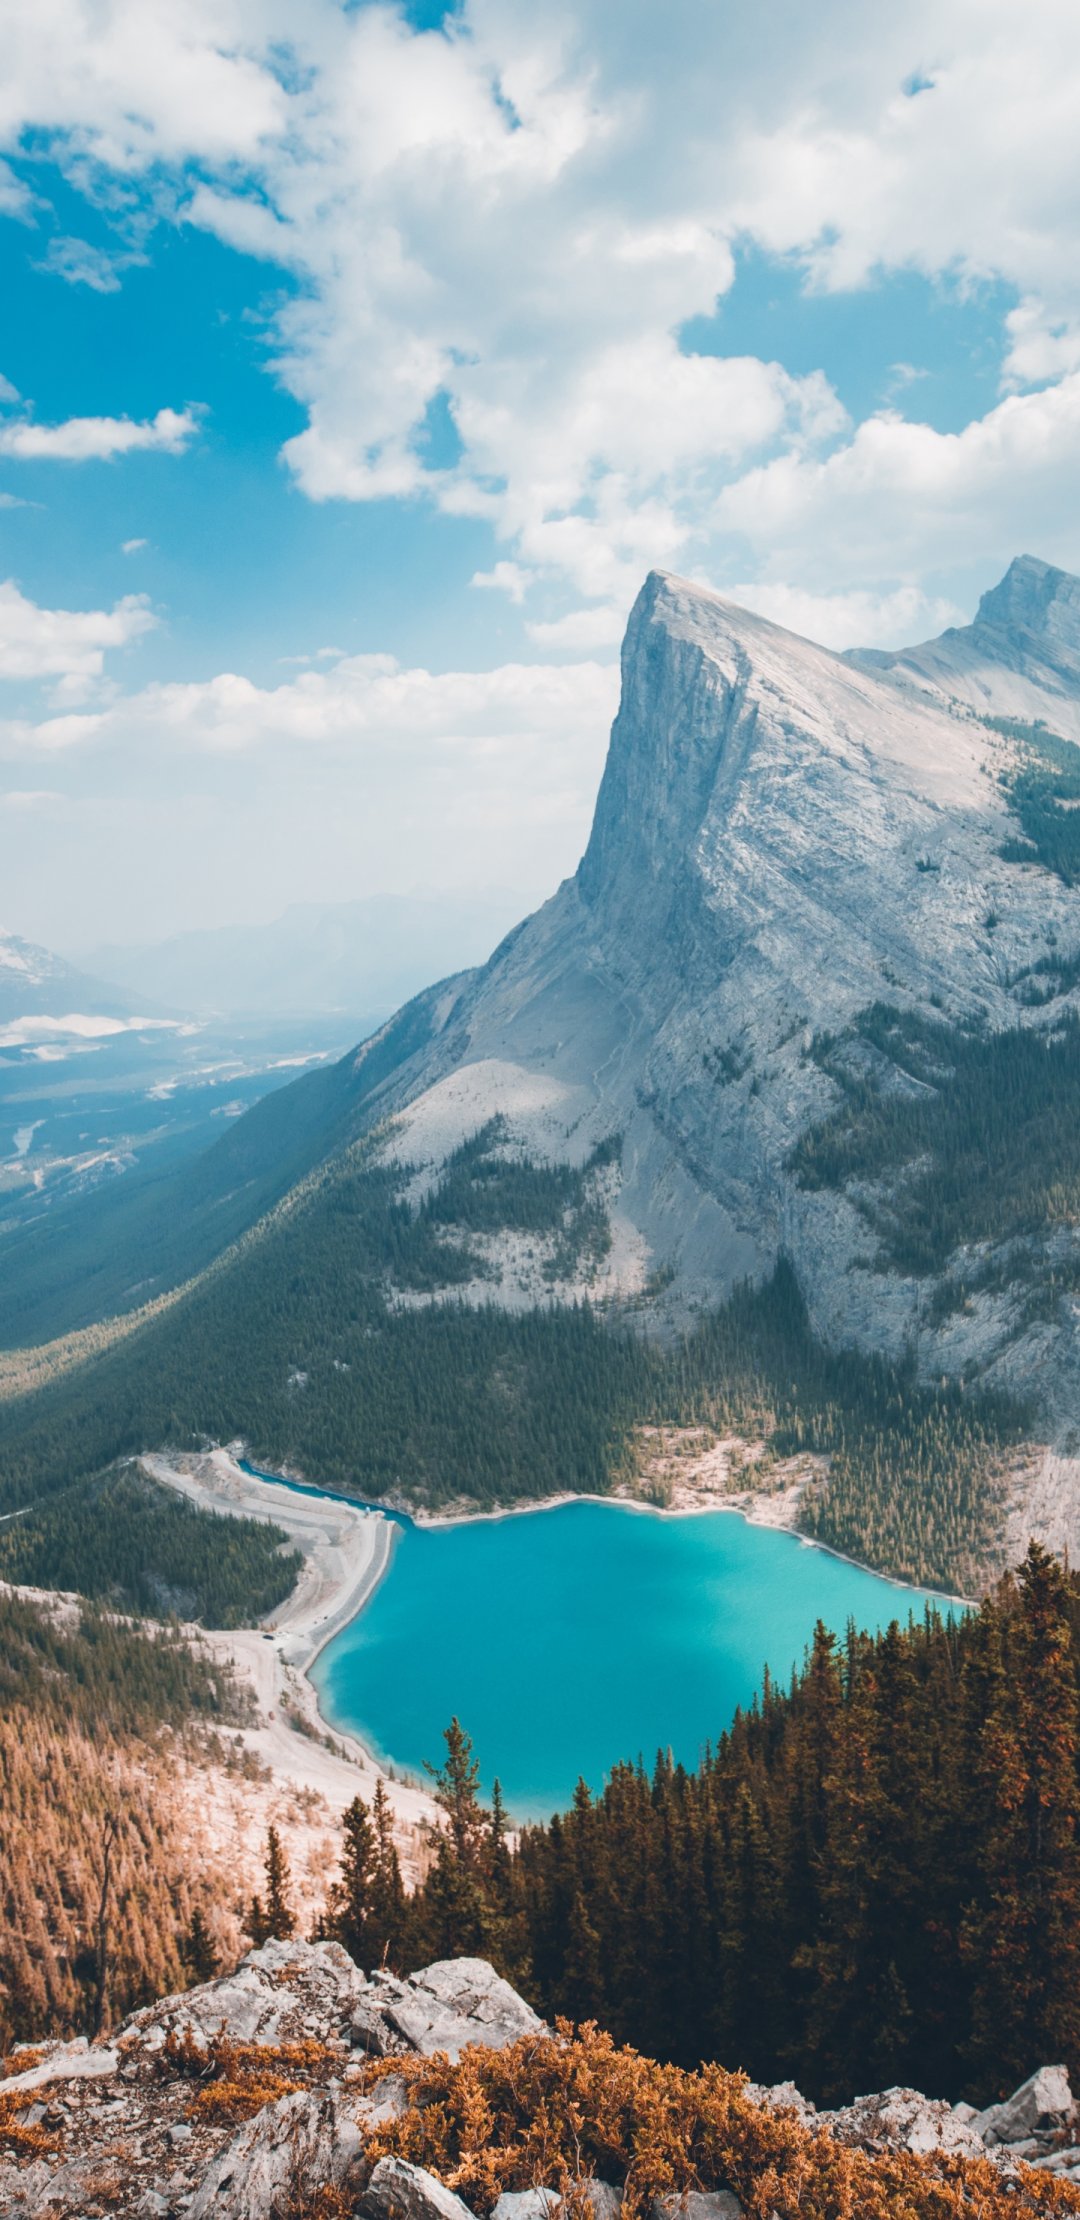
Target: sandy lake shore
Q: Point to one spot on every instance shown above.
(346, 1551)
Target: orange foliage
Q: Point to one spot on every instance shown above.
(17, 2135)
(557, 2112)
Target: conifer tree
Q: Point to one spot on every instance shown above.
(198, 1952)
(388, 1904)
(272, 1916)
(1023, 1937)
(351, 1910)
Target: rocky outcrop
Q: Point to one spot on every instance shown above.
(290, 2151)
(1019, 658)
(151, 2131)
(458, 2001)
(286, 1992)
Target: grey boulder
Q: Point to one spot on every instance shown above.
(288, 2151)
(445, 2007)
(282, 1993)
(903, 2119)
(1044, 2100)
(698, 2204)
(526, 2204)
(400, 2191)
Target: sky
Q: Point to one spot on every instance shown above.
(357, 362)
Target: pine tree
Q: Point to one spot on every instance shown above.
(1023, 1935)
(350, 1919)
(198, 1953)
(388, 1905)
(272, 1917)
(457, 1792)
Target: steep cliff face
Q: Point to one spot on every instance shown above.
(783, 840)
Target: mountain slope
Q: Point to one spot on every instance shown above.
(1020, 657)
(782, 844)
(809, 1000)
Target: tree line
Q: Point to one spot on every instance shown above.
(873, 1878)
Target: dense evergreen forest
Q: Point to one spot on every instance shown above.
(121, 1537)
(1043, 792)
(95, 1719)
(295, 1347)
(874, 1877)
(979, 1140)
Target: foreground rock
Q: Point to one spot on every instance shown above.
(444, 2008)
(250, 2098)
(286, 2154)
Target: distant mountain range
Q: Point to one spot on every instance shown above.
(805, 1017)
(361, 958)
(36, 983)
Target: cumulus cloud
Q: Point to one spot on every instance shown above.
(914, 490)
(65, 644)
(855, 619)
(360, 773)
(513, 220)
(98, 438)
(359, 702)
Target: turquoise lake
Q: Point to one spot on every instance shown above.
(567, 1639)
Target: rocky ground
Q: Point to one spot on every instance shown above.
(256, 2096)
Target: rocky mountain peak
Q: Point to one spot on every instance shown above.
(1019, 658)
(1035, 609)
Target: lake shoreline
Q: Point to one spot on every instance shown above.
(348, 1548)
(777, 1511)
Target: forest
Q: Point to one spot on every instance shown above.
(873, 1878)
(980, 1141)
(1043, 791)
(96, 1720)
(295, 1350)
(122, 1538)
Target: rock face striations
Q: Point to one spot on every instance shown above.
(253, 2098)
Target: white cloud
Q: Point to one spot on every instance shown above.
(30, 798)
(507, 578)
(64, 643)
(79, 263)
(362, 701)
(854, 619)
(98, 438)
(132, 547)
(8, 392)
(348, 778)
(515, 219)
(15, 198)
(928, 498)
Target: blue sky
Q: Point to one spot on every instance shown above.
(360, 362)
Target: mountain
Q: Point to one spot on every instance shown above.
(35, 983)
(364, 958)
(804, 1017)
(787, 848)
(1020, 658)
